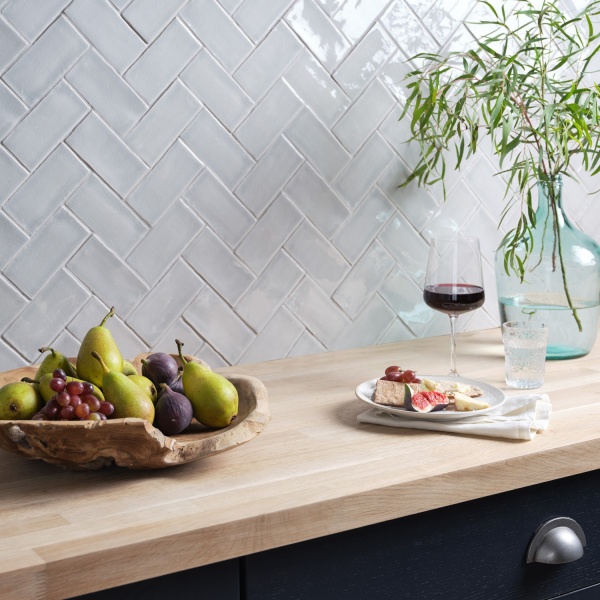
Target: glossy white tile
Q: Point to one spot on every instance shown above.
(219, 208)
(162, 61)
(355, 17)
(149, 17)
(363, 171)
(257, 17)
(218, 150)
(363, 280)
(108, 94)
(268, 176)
(269, 118)
(103, 26)
(97, 145)
(217, 31)
(321, 36)
(44, 63)
(317, 256)
(164, 184)
(163, 123)
(218, 266)
(44, 127)
(364, 62)
(31, 17)
(48, 314)
(128, 288)
(316, 88)
(56, 178)
(115, 224)
(364, 116)
(315, 199)
(318, 144)
(165, 242)
(269, 234)
(268, 61)
(212, 85)
(46, 251)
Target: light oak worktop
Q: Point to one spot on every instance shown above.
(313, 471)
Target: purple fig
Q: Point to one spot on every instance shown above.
(173, 413)
(177, 385)
(160, 368)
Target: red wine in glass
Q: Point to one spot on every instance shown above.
(454, 281)
(454, 298)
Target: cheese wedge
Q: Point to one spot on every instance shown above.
(464, 402)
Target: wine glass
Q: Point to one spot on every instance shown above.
(454, 281)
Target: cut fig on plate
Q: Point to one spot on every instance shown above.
(425, 402)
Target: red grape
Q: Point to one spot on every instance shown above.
(57, 384)
(75, 388)
(106, 408)
(66, 412)
(392, 369)
(59, 374)
(73, 401)
(92, 402)
(82, 410)
(395, 376)
(63, 398)
(407, 376)
(51, 409)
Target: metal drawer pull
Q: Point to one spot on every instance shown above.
(557, 541)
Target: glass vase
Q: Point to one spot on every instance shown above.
(561, 286)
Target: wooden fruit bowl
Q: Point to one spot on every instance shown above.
(132, 443)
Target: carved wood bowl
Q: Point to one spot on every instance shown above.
(132, 443)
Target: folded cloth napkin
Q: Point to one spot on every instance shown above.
(520, 418)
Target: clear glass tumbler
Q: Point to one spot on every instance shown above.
(525, 345)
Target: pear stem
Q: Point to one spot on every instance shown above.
(179, 347)
(99, 359)
(29, 380)
(111, 313)
(46, 349)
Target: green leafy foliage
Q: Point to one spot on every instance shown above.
(524, 87)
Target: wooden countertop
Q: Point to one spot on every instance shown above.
(314, 471)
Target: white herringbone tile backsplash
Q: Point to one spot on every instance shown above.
(225, 172)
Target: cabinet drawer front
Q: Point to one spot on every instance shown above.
(470, 551)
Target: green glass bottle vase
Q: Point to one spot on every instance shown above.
(561, 286)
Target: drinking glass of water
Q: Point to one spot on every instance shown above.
(525, 353)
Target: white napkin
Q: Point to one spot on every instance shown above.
(520, 418)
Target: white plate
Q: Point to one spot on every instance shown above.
(492, 395)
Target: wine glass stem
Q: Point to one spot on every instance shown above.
(453, 370)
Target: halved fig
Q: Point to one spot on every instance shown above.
(425, 402)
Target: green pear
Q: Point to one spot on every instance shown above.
(98, 339)
(145, 384)
(52, 361)
(46, 392)
(213, 397)
(128, 368)
(125, 395)
(19, 400)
